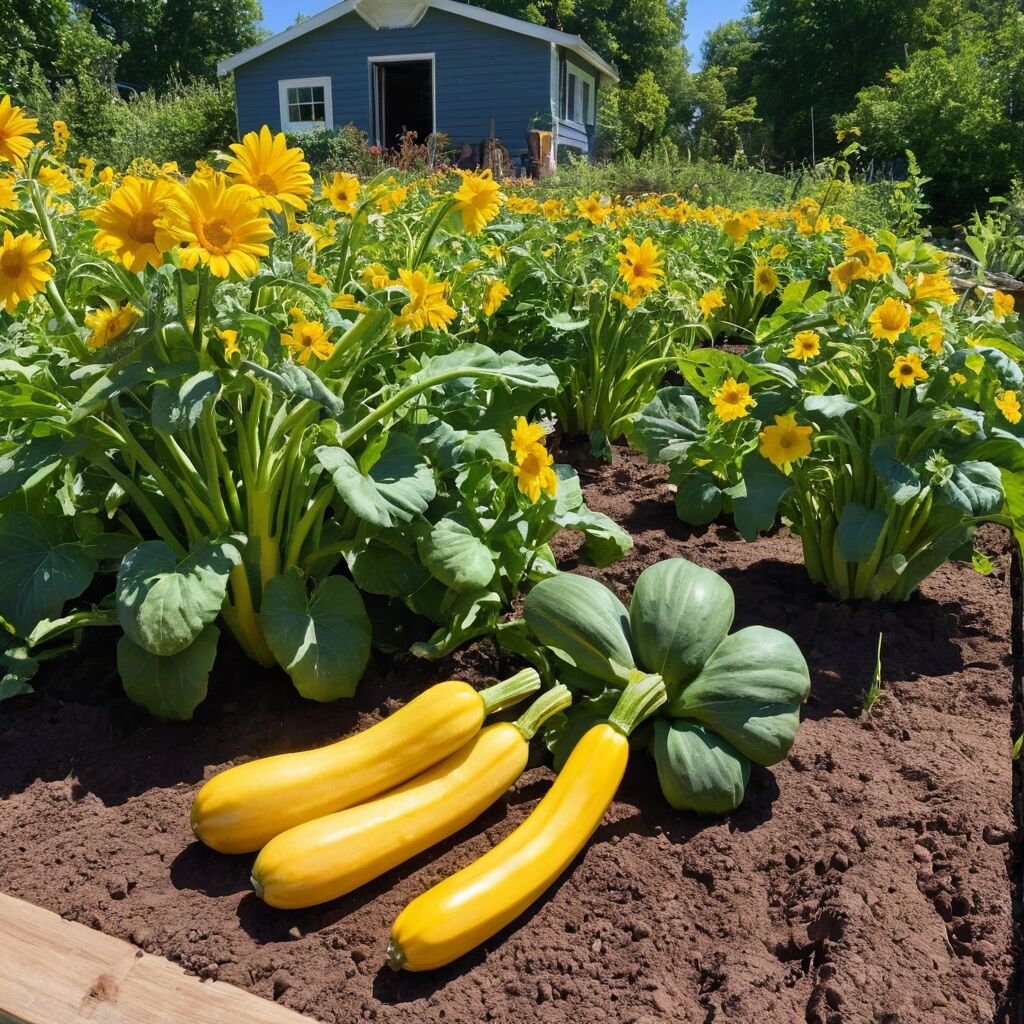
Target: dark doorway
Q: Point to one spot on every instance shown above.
(402, 99)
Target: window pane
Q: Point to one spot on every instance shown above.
(306, 104)
(586, 102)
(570, 105)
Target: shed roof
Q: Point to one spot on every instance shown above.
(407, 13)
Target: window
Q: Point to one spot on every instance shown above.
(577, 96)
(305, 102)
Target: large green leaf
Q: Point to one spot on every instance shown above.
(756, 498)
(698, 498)
(975, 488)
(697, 769)
(322, 640)
(456, 556)
(42, 567)
(177, 408)
(36, 455)
(17, 668)
(668, 425)
(169, 688)
(398, 487)
(750, 693)
(822, 408)
(605, 541)
(584, 623)
(859, 531)
(679, 614)
(381, 568)
(901, 483)
(164, 604)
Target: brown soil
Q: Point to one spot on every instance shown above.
(865, 879)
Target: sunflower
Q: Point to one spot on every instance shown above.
(889, 320)
(479, 201)
(270, 172)
(710, 301)
(592, 208)
(843, 273)
(731, 400)
(907, 371)
(1009, 405)
(127, 223)
(55, 180)
(108, 324)
(220, 226)
(23, 268)
(494, 295)
(778, 252)
(785, 442)
(932, 286)
(427, 305)
(765, 279)
(15, 128)
(1002, 304)
(8, 197)
(526, 435)
(376, 275)
(640, 265)
(535, 474)
(307, 339)
(806, 345)
(343, 192)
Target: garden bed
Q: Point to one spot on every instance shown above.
(866, 878)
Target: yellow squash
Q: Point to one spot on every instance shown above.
(330, 856)
(472, 905)
(243, 808)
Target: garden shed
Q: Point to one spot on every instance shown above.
(426, 66)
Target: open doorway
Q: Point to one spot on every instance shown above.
(401, 97)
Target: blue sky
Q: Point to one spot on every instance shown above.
(701, 15)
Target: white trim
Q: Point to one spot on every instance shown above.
(590, 114)
(550, 35)
(396, 58)
(284, 84)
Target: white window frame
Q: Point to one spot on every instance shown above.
(586, 116)
(398, 58)
(284, 84)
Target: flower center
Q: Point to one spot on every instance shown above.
(265, 183)
(143, 226)
(12, 265)
(786, 440)
(906, 370)
(732, 397)
(218, 232)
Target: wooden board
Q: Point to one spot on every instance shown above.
(57, 972)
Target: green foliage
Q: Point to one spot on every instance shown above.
(720, 127)
(339, 149)
(643, 108)
(732, 699)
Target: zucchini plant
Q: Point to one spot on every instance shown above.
(733, 698)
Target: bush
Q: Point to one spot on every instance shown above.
(339, 149)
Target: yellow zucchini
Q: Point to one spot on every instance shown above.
(330, 856)
(244, 807)
(472, 905)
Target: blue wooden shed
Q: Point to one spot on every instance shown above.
(426, 66)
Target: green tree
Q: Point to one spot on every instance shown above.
(721, 129)
(643, 108)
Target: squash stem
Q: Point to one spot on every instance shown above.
(640, 699)
(396, 957)
(547, 704)
(510, 691)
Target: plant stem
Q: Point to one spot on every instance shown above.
(547, 704)
(639, 700)
(510, 691)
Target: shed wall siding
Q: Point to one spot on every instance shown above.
(479, 70)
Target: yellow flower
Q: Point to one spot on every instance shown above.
(785, 442)
(314, 278)
(427, 305)
(343, 192)
(230, 339)
(932, 330)
(346, 301)
(736, 228)
(630, 299)
(535, 474)
(526, 435)
(806, 345)
(549, 251)
(8, 197)
(307, 339)
(889, 320)
(203, 170)
(593, 208)
(845, 272)
(731, 400)
(710, 301)
(479, 200)
(495, 252)
(1002, 305)
(108, 324)
(23, 268)
(932, 286)
(778, 252)
(640, 265)
(220, 226)
(375, 275)
(15, 128)
(879, 264)
(494, 295)
(392, 199)
(907, 371)
(106, 176)
(574, 236)
(55, 180)
(270, 172)
(765, 279)
(127, 223)
(554, 209)
(957, 378)
(1008, 404)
